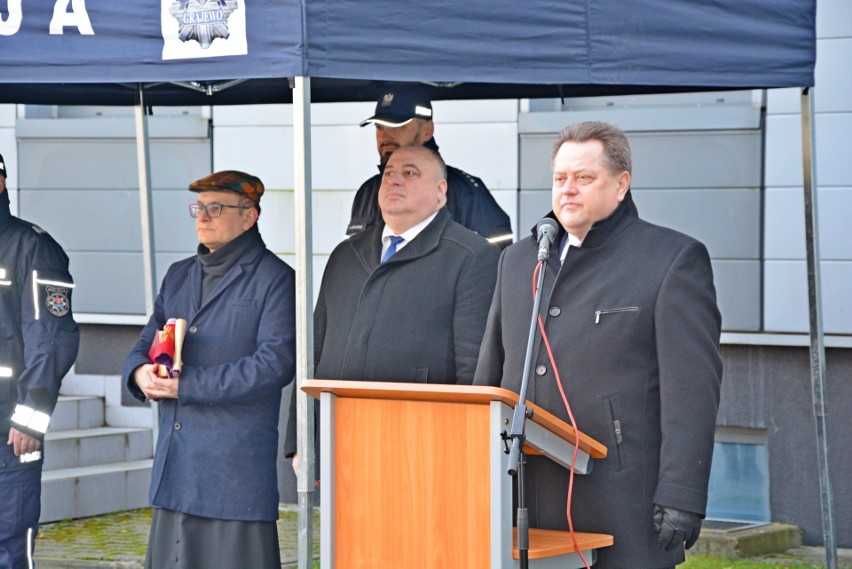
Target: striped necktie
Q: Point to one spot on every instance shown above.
(395, 240)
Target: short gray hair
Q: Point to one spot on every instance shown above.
(615, 144)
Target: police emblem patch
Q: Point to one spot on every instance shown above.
(387, 100)
(203, 20)
(57, 300)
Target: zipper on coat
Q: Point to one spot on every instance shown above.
(599, 313)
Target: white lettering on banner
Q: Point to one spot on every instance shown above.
(204, 17)
(77, 17)
(12, 24)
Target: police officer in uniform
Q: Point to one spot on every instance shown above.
(38, 345)
(404, 118)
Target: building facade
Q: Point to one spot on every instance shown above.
(724, 167)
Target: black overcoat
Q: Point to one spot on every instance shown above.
(632, 320)
(417, 318)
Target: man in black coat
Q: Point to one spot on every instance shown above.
(411, 310)
(630, 312)
(404, 118)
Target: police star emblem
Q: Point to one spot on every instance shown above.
(203, 20)
(57, 300)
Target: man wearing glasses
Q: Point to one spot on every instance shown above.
(214, 481)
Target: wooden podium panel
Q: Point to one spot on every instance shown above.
(413, 476)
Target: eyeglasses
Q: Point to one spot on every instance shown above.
(213, 210)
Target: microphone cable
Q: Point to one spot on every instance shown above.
(573, 425)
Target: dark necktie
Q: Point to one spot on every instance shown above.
(395, 240)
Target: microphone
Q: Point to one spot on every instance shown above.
(546, 234)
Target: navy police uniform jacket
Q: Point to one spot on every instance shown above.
(218, 443)
(632, 320)
(38, 336)
(469, 203)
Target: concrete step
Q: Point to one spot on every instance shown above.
(77, 412)
(740, 540)
(99, 445)
(94, 490)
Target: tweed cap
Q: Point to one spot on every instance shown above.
(230, 181)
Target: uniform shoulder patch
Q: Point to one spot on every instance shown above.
(38, 229)
(57, 300)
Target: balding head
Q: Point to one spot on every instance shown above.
(414, 186)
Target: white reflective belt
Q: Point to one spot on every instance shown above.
(499, 238)
(31, 419)
(5, 371)
(3, 281)
(37, 282)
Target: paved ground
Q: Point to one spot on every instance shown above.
(118, 541)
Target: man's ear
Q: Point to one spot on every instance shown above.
(428, 131)
(623, 185)
(442, 193)
(250, 218)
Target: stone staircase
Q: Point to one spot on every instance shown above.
(98, 454)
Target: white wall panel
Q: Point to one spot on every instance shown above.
(833, 19)
(833, 91)
(783, 101)
(785, 223)
(253, 115)
(784, 150)
(486, 150)
(7, 116)
(343, 156)
(786, 301)
(276, 223)
(727, 221)
(265, 152)
(475, 111)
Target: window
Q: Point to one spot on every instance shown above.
(739, 478)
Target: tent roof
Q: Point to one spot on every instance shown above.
(486, 49)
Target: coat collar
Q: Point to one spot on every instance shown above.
(368, 244)
(625, 214)
(250, 256)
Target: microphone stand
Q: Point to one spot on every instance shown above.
(518, 435)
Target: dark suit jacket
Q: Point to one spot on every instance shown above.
(632, 320)
(417, 318)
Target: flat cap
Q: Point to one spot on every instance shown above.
(230, 181)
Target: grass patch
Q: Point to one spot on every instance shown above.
(707, 562)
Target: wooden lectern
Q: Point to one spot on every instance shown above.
(414, 476)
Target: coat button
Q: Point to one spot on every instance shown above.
(554, 311)
(193, 329)
(540, 370)
(177, 426)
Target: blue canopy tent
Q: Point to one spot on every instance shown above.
(153, 52)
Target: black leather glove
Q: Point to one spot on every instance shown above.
(676, 527)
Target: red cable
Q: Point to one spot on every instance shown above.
(573, 425)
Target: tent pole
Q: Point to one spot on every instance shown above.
(304, 315)
(818, 366)
(146, 213)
